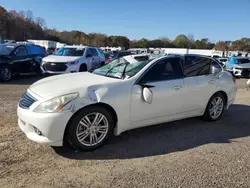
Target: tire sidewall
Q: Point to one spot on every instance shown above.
(72, 126)
(207, 113)
(1, 69)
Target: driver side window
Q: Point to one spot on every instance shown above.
(168, 69)
(89, 53)
(20, 51)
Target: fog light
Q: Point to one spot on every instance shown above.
(37, 131)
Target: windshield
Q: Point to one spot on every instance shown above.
(70, 51)
(124, 67)
(243, 61)
(6, 49)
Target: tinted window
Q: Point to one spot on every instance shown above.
(196, 66)
(142, 58)
(70, 51)
(168, 69)
(100, 51)
(94, 52)
(20, 51)
(243, 61)
(89, 52)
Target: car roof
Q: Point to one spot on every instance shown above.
(19, 44)
(243, 57)
(76, 46)
(11, 44)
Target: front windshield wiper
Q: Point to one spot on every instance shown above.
(119, 64)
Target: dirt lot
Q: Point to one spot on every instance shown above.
(188, 153)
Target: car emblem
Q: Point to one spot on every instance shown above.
(53, 64)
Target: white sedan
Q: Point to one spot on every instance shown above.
(130, 92)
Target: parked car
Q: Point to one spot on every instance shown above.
(69, 59)
(130, 92)
(242, 67)
(117, 54)
(19, 58)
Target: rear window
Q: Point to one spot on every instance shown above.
(243, 61)
(142, 58)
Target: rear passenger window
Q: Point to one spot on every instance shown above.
(94, 52)
(196, 66)
(168, 69)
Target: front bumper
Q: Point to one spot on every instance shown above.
(51, 126)
(241, 72)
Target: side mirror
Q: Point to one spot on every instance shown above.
(88, 55)
(147, 95)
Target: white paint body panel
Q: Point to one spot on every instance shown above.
(172, 100)
(91, 62)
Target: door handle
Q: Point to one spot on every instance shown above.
(212, 81)
(177, 87)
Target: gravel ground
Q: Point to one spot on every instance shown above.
(188, 153)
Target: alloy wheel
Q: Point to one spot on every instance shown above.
(216, 107)
(92, 129)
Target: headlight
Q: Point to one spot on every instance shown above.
(57, 104)
(44, 61)
(73, 63)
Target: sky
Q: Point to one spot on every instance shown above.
(151, 19)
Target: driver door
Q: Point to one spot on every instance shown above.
(21, 61)
(165, 80)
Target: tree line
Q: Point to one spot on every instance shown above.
(21, 26)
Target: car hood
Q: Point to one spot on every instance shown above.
(60, 59)
(246, 65)
(68, 83)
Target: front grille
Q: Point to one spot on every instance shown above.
(26, 101)
(55, 67)
(245, 72)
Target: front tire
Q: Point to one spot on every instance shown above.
(215, 107)
(5, 74)
(90, 128)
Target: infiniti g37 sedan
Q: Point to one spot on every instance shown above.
(134, 91)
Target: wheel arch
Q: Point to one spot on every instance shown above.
(105, 105)
(224, 95)
(83, 64)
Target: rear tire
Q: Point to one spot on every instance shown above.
(90, 128)
(83, 68)
(5, 74)
(215, 107)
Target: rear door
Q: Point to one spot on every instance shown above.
(89, 59)
(200, 83)
(96, 60)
